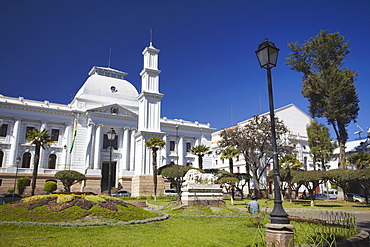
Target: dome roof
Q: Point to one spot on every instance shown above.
(107, 86)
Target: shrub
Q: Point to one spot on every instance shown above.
(11, 190)
(22, 183)
(50, 186)
(65, 199)
(69, 178)
(37, 198)
(96, 199)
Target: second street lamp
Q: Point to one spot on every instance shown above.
(18, 160)
(267, 55)
(111, 136)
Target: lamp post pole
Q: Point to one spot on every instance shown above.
(18, 160)
(279, 230)
(177, 163)
(111, 136)
(278, 214)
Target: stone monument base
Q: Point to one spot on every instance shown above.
(142, 185)
(202, 195)
(279, 235)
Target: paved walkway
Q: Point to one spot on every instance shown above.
(363, 220)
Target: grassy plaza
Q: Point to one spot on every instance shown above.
(186, 227)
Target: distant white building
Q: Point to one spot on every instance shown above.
(294, 119)
(105, 101)
(356, 146)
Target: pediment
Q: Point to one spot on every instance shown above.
(114, 109)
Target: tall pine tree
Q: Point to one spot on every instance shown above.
(328, 85)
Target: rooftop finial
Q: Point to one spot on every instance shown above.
(151, 37)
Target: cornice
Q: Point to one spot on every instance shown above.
(150, 95)
(37, 109)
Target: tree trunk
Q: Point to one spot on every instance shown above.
(155, 174)
(231, 166)
(200, 160)
(342, 154)
(256, 184)
(35, 168)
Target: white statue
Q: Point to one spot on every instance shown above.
(194, 176)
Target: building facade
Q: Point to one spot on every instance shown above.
(294, 119)
(79, 129)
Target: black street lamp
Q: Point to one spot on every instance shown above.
(267, 55)
(177, 164)
(111, 136)
(18, 160)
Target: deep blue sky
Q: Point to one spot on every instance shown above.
(209, 69)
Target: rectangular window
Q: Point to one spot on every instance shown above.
(172, 145)
(3, 130)
(29, 128)
(188, 147)
(106, 142)
(54, 135)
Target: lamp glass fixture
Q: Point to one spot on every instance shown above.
(111, 134)
(267, 54)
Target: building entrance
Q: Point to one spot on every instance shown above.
(105, 175)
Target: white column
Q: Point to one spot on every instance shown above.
(164, 152)
(14, 139)
(97, 147)
(89, 147)
(42, 151)
(132, 150)
(66, 135)
(181, 151)
(126, 149)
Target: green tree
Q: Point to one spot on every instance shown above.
(69, 178)
(244, 179)
(227, 180)
(288, 163)
(230, 153)
(328, 85)
(360, 160)
(343, 178)
(200, 151)
(311, 180)
(253, 140)
(22, 183)
(320, 143)
(50, 186)
(175, 173)
(363, 178)
(155, 144)
(39, 138)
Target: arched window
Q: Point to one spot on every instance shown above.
(26, 161)
(1, 158)
(52, 161)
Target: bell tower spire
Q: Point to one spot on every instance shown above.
(150, 98)
(149, 110)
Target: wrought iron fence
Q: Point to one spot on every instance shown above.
(331, 217)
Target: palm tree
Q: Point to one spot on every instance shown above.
(360, 160)
(230, 153)
(200, 151)
(289, 162)
(39, 138)
(155, 144)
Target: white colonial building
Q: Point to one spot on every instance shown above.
(105, 101)
(294, 119)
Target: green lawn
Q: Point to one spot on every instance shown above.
(176, 231)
